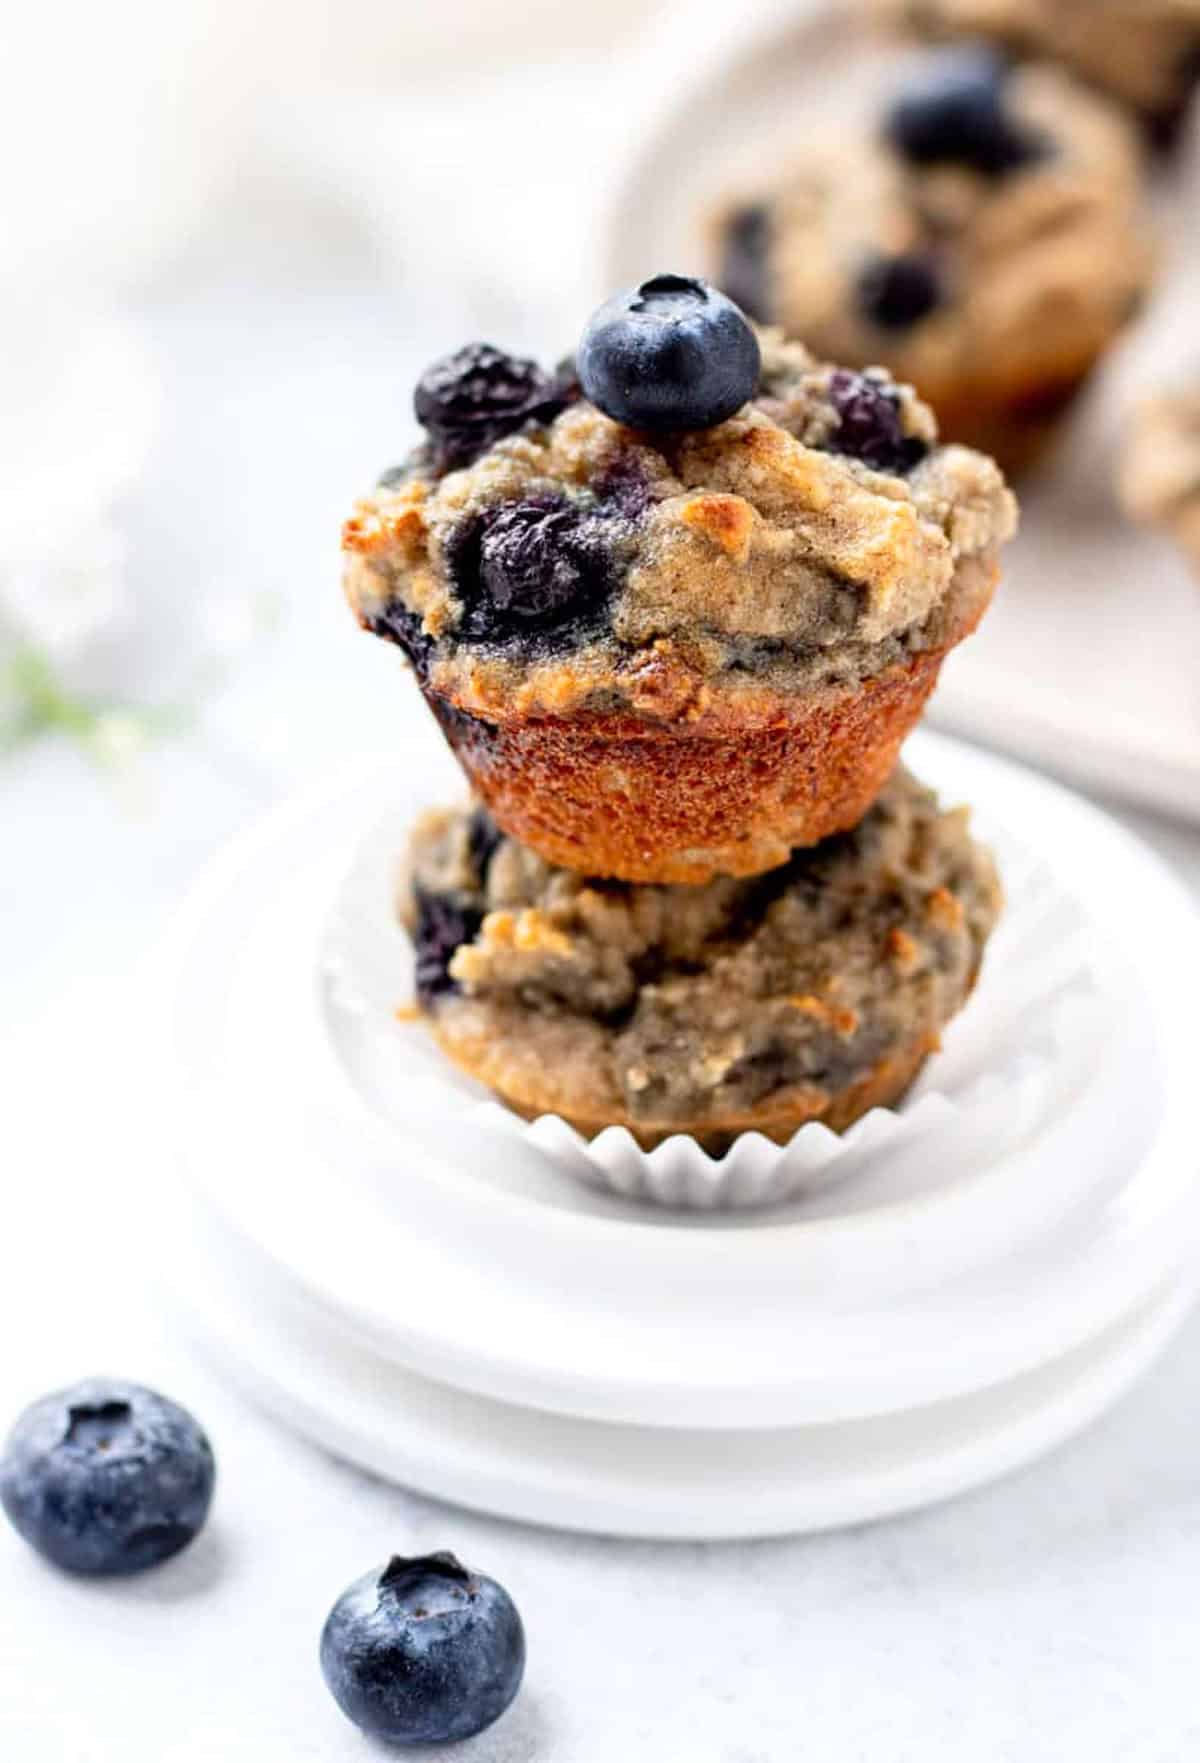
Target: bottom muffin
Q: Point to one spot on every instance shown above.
(814, 992)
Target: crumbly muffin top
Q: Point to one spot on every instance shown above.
(1160, 468)
(686, 1003)
(558, 564)
(1007, 253)
(1146, 52)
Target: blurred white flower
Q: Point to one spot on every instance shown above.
(117, 736)
(75, 429)
(61, 604)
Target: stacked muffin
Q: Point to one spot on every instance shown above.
(675, 608)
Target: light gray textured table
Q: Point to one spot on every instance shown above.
(1052, 1619)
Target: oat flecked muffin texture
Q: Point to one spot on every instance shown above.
(812, 993)
(721, 634)
(984, 239)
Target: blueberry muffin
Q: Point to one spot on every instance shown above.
(676, 615)
(1159, 480)
(815, 992)
(984, 241)
(1146, 53)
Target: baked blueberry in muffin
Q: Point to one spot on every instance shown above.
(814, 992)
(675, 615)
(981, 236)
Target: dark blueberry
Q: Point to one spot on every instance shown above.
(424, 1652)
(544, 563)
(444, 924)
(483, 837)
(745, 249)
(468, 400)
(407, 630)
(474, 392)
(869, 424)
(474, 397)
(623, 488)
(537, 559)
(953, 112)
(672, 354)
(107, 1478)
(897, 292)
(1164, 127)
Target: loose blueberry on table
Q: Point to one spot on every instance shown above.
(424, 1651)
(107, 1478)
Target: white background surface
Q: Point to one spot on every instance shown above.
(1053, 1618)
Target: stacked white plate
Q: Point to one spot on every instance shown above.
(472, 1307)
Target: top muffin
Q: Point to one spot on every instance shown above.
(676, 614)
(818, 532)
(1145, 52)
(982, 236)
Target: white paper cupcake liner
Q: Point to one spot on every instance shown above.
(994, 1083)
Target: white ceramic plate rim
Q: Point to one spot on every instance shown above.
(580, 1476)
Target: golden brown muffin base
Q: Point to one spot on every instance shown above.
(646, 801)
(779, 1117)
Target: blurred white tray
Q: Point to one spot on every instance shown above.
(1087, 664)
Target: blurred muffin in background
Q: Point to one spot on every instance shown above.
(985, 241)
(1144, 52)
(1159, 480)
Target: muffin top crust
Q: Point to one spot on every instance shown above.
(986, 228)
(1145, 52)
(565, 558)
(691, 1003)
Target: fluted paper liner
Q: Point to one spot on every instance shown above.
(995, 1079)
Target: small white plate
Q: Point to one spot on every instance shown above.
(449, 1255)
(1087, 662)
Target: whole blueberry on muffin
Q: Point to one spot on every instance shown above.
(1145, 53)
(705, 585)
(981, 235)
(815, 992)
